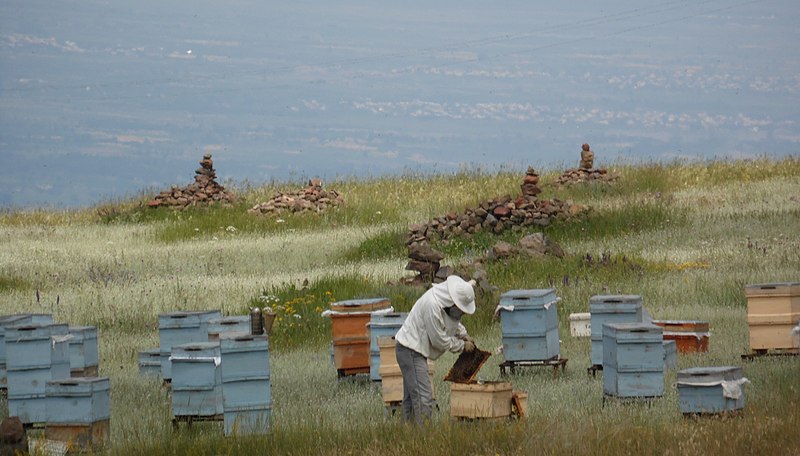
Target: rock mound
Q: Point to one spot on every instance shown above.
(586, 171)
(312, 198)
(205, 190)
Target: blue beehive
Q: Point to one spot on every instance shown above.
(711, 389)
(84, 356)
(196, 379)
(237, 324)
(633, 360)
(670, 354)
(611, 309)
(79, 400)
(381, 324)
(150, 362)
(8, 320)
(35, 355)
(176, 328)
(529, 322)
(246, 387)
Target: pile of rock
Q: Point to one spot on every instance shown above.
(425, 261)
(204, 190)
(586, 172)
(312, 198)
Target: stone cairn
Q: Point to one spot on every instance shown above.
(495, 215)
(586, 171)
(312, 198)
(204, 190)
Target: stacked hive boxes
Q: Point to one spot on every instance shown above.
(16, 320)
(351, 341)
(84, 356)
(529, 322)
(611, 309)
(238, 324)
(196, 380)
(79, 411)
(34, 356)
(391, 378)
(711, 390)
(176, 328)
(381, 325)
(773, 310)
(246, 388)
(633, 360)
(150, 362)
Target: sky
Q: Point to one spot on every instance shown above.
(102, 100)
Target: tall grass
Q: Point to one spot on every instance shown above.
(686, 237)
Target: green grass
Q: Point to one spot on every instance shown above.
(686, 237)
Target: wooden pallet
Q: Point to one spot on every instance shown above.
(723, 415)
(342, 373)
(764, 353)
(555, 362)
(190, 419)
(593, 369)
(630, 399)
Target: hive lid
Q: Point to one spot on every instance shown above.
(682, 325)
(616, 299)
(360, 305)
(773, 289)
(467, 366)
(528, 298)
(580, 316)
(76, 386)
(640, 332)
(697, 375)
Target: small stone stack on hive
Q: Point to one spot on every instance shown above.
(586, 172)
(204, 190)
(312, 198)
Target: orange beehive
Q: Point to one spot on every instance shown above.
(690, 336)
(351, 334)
(773, 310)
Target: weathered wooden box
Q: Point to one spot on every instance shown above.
(690, 336)
(773, 309)
(176, 328)
(237, 324)
(611, 309)
(351, 355)
(32, 345)
(196, 379)
(245, 372)
(480, 400)
(8, 320)
(381, 325)
(150, 362)
(361, 305)
(529, 323)
(84, 355)
(711, 390)
(247, 421)
(633, 360)
(580, 324)
(79, 438)
(392, 382)
(78, 400)
(670, 354)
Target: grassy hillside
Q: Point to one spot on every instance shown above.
(686, 237)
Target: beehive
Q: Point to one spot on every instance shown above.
(391, 377)
(381, 325)
(480, 400)
(711, 390)
(690, 336)
(238, 324)
(773, 309)
(80, 411)
(633, 360)
(529, 323)
(150, 362)
(35, 355)
(84, 356)
(670, 354)
(8, 320)
(176, 328)
(580, 324)
(246, 387)
(351, 341)
(611, 309)
(196, 379)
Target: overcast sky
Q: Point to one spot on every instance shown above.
(104, 99)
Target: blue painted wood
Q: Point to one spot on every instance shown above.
(7, 320)
(245, 372)
(530, 330)
(670, 354)
(29, 409)
(30, 346)
(83, 347)
(699, 393)
(381, 325)
(632, 384)
(236, 324)
(79, 400)
(611, 309)
(150, 362)
(247, 421)
(633, 360)
(196, 379)
(176, 328)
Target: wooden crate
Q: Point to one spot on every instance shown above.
(392, 382)
(79, 436)
(773, 310)
(361, 305)
(351, 354)
(690, 336)
(580, 324)
(381, 325)
(481, 400)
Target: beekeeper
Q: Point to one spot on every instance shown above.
(432, 327)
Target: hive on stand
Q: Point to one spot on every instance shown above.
(84, 356)
(691, 336)
(611, 309)
(773, 310)
(351, 341)
(183, 327)
(711, 390)
(633, 360)
(529, 323)
(381, 325)
(196, 381)
(80, 411)
(246, 387)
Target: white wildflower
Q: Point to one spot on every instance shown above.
(230, 229)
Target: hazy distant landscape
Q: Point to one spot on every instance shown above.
(100, 100)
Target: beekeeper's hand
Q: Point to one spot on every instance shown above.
(468, 338)
(469, 346)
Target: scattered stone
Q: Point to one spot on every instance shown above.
(204, 191)
(312, 198)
